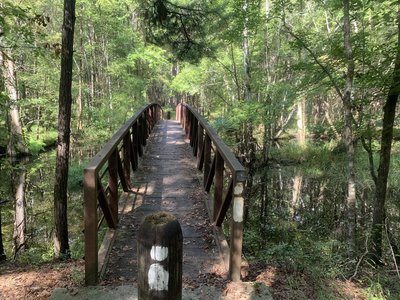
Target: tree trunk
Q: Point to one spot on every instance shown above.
(61, 245)
(389, 112)
(19, 236)
(2, 253)
(348, 133)
(16, 145)
(248, 148)
(246, 71)
(79, 99)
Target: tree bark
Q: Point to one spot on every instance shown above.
(19, 236)
(61, 245)
(79, 99)
(2, 253)
(389, 113)
(348, 133)
(16, 145)
(248, 147)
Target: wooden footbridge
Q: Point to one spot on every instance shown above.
(181, 167)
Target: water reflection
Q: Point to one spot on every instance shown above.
(287, 200)
(26, 194)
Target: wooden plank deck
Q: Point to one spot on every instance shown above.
(167, 180)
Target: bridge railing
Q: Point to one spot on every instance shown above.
(213, 157)
(110, 168)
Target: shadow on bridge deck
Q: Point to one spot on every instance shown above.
(167, 180)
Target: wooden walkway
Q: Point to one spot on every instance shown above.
(167, 180)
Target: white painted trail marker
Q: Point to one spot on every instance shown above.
(160, 258)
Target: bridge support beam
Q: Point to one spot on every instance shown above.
(160, 257)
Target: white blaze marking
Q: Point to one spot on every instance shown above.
(238, 204)
(158, 278)
(238, 189)
(158, 253)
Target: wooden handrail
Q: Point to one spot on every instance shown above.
(203, 140)
(120, 154)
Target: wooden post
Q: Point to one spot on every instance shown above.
(178, 113)
(113, 183)
(139, 136)
(127, 156)
(90, 196)
(200, 137)
(195, 135)
(235, 257)
(187, 120)
(144, 128)
(207, 158)
(134, 162)
(191, 130)
(218, 183)
(160, 257)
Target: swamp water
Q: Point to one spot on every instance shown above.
(289, 204)
(26, 197)
(301, 210)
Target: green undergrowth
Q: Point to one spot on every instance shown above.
(308, 266)
(305, 241)
(39, 142)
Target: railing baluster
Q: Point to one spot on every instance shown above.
(200, 147)
(210, 176)
(113, 183)
(121, 173)
(144, 129)
(134, 154)
(127, 156)
(207, 158)
(195, 135)
(225, 205)
(106, 207)
(191, 131)
(139, 137)
(218, 183)
(187, 120)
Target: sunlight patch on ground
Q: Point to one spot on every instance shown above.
(176, 143)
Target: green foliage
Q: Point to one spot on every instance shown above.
(190, 79)
(39, 140)
(180, 27)
(75, 172)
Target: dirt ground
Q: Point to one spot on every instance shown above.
(38, 281)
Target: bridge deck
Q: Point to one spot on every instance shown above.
(167, 180)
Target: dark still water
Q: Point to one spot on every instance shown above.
(302, 207)
(26, 197)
